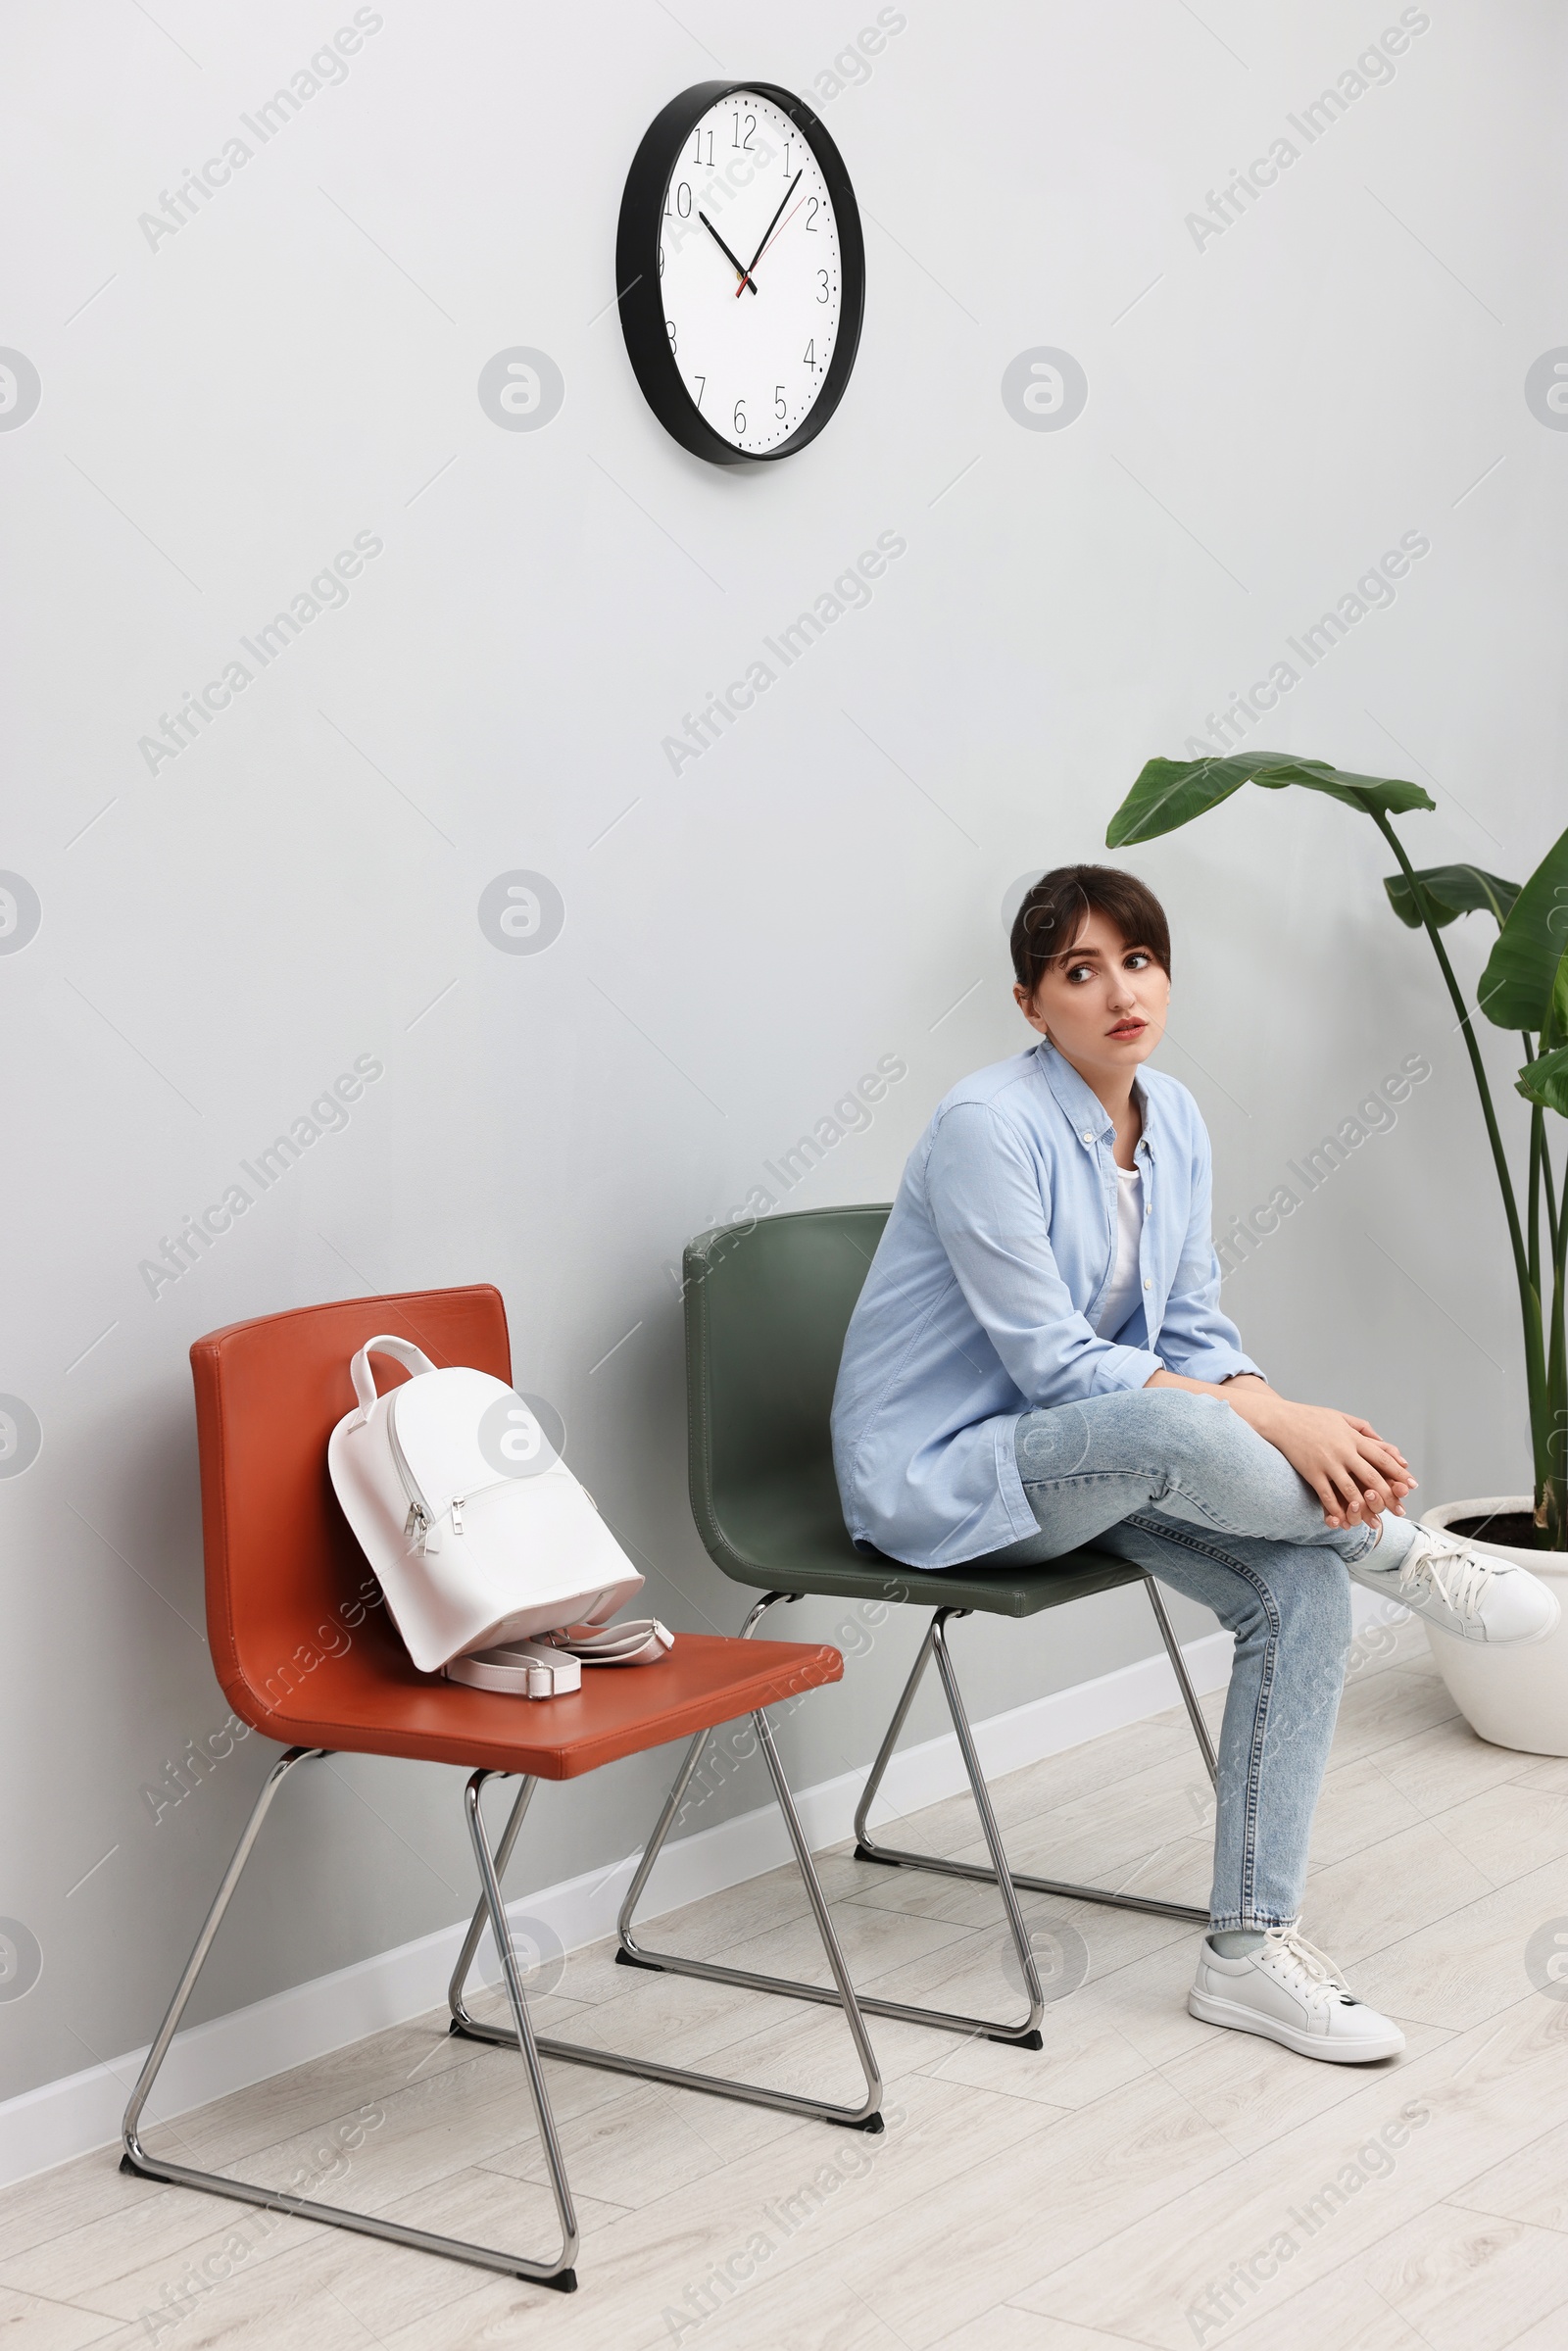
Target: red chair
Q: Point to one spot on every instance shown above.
(286, 1581)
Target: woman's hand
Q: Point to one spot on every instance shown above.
(1354, 1472)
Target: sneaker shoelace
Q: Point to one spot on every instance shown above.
(1306, 1968)
(1455, 1573)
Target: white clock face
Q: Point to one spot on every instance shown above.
(748, 270)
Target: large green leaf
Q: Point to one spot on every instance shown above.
(1365, 792)
(1170, 793)
(1545, 1080)
(1517, 986)
(1450, 891)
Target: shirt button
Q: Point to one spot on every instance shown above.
(1148, 1284)
(1088, 1138)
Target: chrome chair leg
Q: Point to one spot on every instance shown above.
(1009, 1882)
(866, 1847)
(462, 2020)
(991, 1834)
(632, 1953)
(135, 2157)
(840, 1993)
(866, 2116)
(138, 2159)
(1183, 1680)
(501, 1929)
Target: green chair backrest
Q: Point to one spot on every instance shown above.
(766, 1309)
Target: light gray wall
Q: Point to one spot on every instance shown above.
(1270, 408)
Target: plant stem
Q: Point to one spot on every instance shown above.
(1540, 1388)
(1554, 1228)
(1538, 1147)
(1505, 1181)
(1554, 1494)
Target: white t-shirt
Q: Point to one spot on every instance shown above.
(1125, 1285)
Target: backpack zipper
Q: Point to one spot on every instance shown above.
(421, 1520)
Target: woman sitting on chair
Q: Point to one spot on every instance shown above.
(1039, 1360)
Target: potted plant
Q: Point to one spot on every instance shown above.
(1516, 1697)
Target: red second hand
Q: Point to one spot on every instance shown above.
(773, 240)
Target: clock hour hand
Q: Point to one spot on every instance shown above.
(768, 230)
(741, 273)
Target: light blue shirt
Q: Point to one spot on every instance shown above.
(982, 1297)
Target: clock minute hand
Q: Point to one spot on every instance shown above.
(742, 274)
(768, 230)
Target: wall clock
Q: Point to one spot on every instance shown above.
(741, 270)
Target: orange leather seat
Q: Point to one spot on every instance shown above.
(301, 1640)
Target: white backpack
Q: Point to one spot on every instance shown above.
(478, 1531)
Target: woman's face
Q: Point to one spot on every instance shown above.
(1102, 1005)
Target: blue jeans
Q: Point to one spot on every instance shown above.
(1179, 1485)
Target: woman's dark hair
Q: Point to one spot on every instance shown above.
(1053, 913)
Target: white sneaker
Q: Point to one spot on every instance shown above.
(1290, 1992)
(1472, 1595)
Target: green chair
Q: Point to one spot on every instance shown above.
(766, 1310)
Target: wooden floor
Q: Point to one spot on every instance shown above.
(1144, 2180)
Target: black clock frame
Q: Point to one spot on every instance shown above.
(641, 298)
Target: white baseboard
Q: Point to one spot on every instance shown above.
(63, 2119)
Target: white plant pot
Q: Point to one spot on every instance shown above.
(1515, 1696)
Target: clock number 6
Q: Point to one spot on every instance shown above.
(740, 419)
